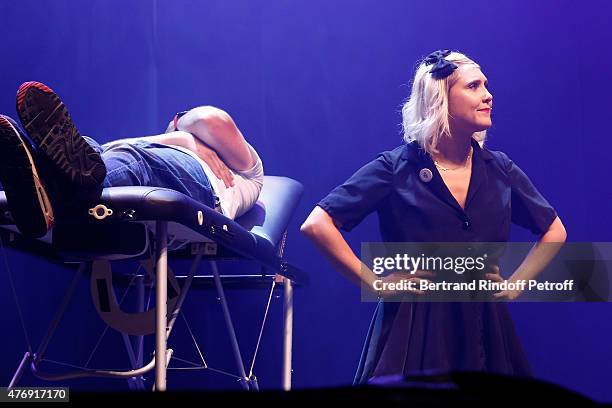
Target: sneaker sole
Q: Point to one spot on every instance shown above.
(26, 196)
(46, 119)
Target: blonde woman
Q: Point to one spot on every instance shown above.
(442, 185)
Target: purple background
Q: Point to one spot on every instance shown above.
(316, 87)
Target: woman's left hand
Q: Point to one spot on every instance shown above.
(495, 276)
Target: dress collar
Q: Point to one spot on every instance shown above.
(414, 152)
(420, 159)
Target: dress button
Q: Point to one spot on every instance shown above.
(466, 224)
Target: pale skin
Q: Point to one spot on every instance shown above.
(470, 104)
(212, 134)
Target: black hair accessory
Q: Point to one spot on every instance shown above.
(441, 67)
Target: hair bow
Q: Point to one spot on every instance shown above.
(441, 67)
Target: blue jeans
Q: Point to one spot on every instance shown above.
(142, 163)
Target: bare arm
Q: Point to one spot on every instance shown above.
(323, 232)
(216, 129)
(538, 258)
(319, 227)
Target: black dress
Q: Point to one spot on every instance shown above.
(418, 337)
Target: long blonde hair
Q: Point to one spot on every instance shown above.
(425, 112)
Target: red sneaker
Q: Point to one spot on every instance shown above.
(47, 121)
